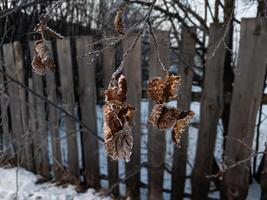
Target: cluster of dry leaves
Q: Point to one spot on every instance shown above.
(43, 56)
(162, 116)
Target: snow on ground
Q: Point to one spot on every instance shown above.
(28, 190)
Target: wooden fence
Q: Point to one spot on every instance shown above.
(39, 113)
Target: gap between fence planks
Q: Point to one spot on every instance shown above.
(39, 129)
(210, 112)
(108, 69)
(67, 92)
(156, 139)
(133, 76)
(186, 60)
(87, 98)
(247, 93)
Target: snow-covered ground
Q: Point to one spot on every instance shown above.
(21, 183)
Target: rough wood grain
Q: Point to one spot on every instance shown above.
(20, 71)
(40, 134)
(247, 93)
(53, 120)
(185, 65)
(87, 98)
(67, 92)
(108, 69)
(4, 100)
(133, 76)
(156, 139)
(210, 112)
(14, 103)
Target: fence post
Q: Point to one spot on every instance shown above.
(67, 92)
(185, 70)
(133, 76)
(39, 132)
(156, 139)
(87, 98)
(108, 69)
(53, 119)
(210, 112)
(14, 104)
(246, 98)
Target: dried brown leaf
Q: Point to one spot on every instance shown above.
(37, 65)
(180, 125)
(171, 87)
(119, 23)
(155, 90)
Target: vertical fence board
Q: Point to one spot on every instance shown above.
(185, 70)
(53, 120)
(87, 98)
(210, 112)
(108, 69)
(4, 100)
(247, 93)
(14, 102)
(67, 92)
(23, 106)
(40, 134)
(156, 139)
(133, 77)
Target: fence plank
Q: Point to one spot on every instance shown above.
(67, 92)
(23, 105)
(156, 139)
(53, 119)
(108, 69)
(132, 73)
(40, 133)
(211, 108)
(4, 100)
(87, 98)
(186, 60)
(247, 93)
(14, 103)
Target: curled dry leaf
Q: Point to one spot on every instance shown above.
(37, 65)
(163, 90)
(180, 125)
(44, 29)
(43, 58)
(163, 117)
(119, 22)
(117, 118)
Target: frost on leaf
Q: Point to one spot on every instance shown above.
(163, 90)
(117, 119)
(43, 58)
(163, 117)
(180, 125)
(119, 22)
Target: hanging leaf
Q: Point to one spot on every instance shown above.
(119, 22)
(44, 29)
(37, 65)
(180, 125)
(117, 118)
(171, 87)
(155, 90)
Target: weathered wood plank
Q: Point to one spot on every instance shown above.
(133, 76)
(108, 69)
(210, 112)
(67, 92)
(247, 93)
(87, 98)
(186, 60)
(40, 135)
(4, 100)
(156, 139)
(53, 120)
(14, 103)
(23, 106)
